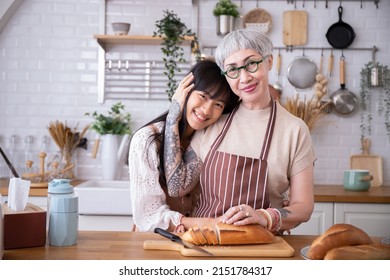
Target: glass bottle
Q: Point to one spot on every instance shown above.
(13, 153)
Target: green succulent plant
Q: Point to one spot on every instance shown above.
(226, 7)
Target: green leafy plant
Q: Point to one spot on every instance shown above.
(366, 91)
(116, 122)
(226, 7)
(173, 31)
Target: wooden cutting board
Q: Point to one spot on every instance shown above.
(366, 161)
(294, 28)
(279, 248)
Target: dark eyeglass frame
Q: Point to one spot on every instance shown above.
(245, 67)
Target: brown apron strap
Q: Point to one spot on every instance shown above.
(269, 132)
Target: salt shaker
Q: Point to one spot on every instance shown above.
(62, 211)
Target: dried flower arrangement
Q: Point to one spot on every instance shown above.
(310, 111)
(67, 141)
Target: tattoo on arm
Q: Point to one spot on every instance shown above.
(181, 171)
(284, 212)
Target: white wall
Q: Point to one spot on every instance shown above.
(48, 68)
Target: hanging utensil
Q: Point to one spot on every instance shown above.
(345, 102)
(326, 99)
(340, 35)
(277, 84)
(302, 72)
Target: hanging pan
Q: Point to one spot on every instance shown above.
(301, 73)
(340, 35)
(344, 101)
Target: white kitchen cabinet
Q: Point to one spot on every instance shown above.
(105, 223)
(321, 220)
(372, 218)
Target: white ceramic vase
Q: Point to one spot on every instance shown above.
(110, 147)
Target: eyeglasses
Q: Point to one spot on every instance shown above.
(233, 72)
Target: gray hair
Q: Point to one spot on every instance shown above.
(241, 39)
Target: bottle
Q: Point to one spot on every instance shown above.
(63, 217)
(14, 152)
(29, 152)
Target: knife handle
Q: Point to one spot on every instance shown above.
(167, 234)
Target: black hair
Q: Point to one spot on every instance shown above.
(207, 78)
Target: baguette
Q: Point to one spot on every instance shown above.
(225, 234)
(338, 235)
(360, 252)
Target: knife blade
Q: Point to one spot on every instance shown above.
(177, 239)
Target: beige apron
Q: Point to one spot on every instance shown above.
(229, 180)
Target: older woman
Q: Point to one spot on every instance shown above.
(257, 163)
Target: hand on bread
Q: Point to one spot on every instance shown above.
(243, 215)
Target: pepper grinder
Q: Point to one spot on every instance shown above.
(62, 211)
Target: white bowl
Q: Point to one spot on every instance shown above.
(120, 28)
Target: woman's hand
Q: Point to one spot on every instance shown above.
(185, 86)
(243, 215)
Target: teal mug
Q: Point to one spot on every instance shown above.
(357, 180)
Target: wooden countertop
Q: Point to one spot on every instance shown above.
(104, 245)
(322, 193)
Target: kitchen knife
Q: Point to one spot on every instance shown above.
(177, 239)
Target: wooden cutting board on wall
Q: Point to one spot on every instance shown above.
(294, 28)
(366, 161)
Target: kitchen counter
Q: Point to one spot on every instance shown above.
(98, 245)
(322, 193)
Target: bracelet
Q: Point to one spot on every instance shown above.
(276, 221)
(267, 217)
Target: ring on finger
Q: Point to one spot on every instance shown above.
(246, 214)
(240, 208)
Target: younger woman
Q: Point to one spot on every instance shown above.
(202, 96)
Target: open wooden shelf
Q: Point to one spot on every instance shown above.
(105, 40)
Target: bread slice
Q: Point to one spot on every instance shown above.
(338, 235)
(210, 235)
(199, 234)
(194, 239)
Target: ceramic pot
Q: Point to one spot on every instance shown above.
(225, 24)
(357, 180)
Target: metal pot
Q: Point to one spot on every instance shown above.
(340, 35)
(344, 101)
(301, 73)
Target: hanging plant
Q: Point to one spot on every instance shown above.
(172, 31)
(374, 78)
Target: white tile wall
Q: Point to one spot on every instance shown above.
(48, 68)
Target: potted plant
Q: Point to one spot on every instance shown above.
(381, 74)
(111, 127)
(172, 31)
(225, 11)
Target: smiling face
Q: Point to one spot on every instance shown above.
(202, 110)
(252, 88)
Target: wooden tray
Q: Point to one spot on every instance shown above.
(372, 163)
(279, 248)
